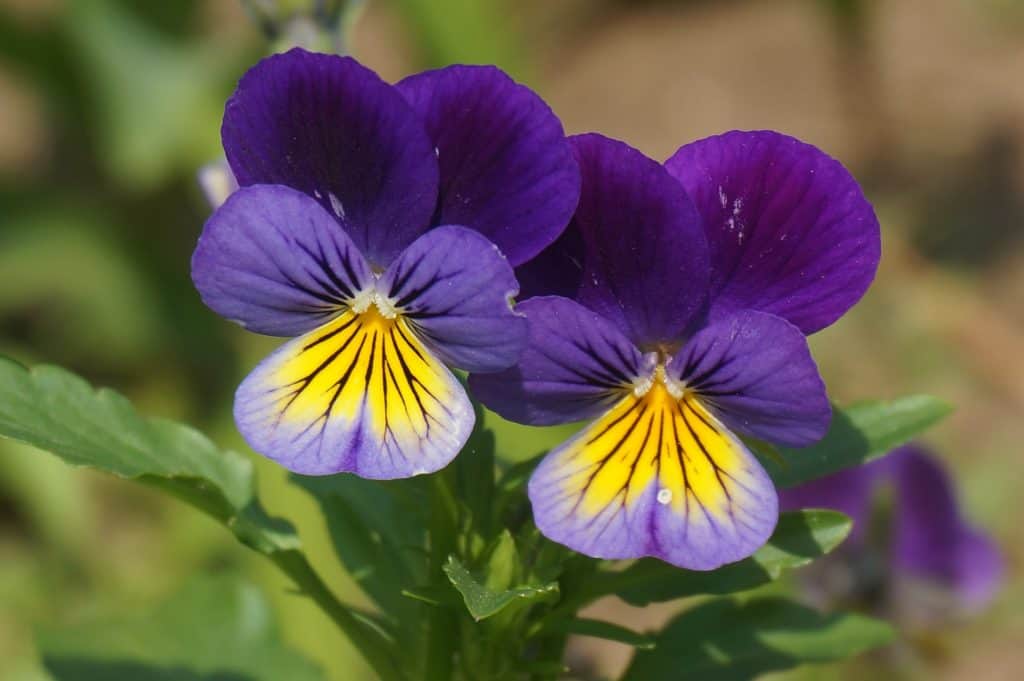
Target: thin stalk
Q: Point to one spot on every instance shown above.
(552, 647)
(442, 624)
(374, 644)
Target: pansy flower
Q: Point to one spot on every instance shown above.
(924, 540)
(377, 226)
(686, 290)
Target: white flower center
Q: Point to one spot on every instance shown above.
(371, 296)
(643, 385)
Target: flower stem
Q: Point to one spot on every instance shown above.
(375, 645)
(442, 625)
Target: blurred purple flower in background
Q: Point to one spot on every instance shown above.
(682, 296)
(378, 226)
(923, 538)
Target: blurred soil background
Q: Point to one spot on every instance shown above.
(108, 107)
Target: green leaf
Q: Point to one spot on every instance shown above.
(598, 629)
(729, 640)
(215, 628)
(511, 505)
(473, 472)
(515, 476)
(56, 411)
(857, 435)
(378, 531)
(503, 565)
(483, 602)
(799, 538)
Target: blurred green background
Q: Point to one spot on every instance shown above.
(108, 108)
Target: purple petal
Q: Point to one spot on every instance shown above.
(655, 476)
(506, 168)
(332, 129)
(360, 394)
(849, 491)
(979, 569)
(274, 261)
(557, 271)
(645, 257)
(755, 370)
(455, 288)
(575, 366)
(789, 229)
(931, 539)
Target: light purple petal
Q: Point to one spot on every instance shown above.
(645, 257)
(655, 476)
(506, 168)
(788, 228)
(979, 569)
(931, 539)
(756, 371)
(455, 287)
(274, 261)
(332, 129)
(361, 395)
(575, 366)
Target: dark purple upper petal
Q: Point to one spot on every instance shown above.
(930, 536)
(557, 271)
(506, 168)
(456, 288)
(788, 228)
(332, 129)
(645, 260)
(756, 371)
(273, 260)
(574, 366)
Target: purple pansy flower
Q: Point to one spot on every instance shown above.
(927, 537)
(378, 226)
(685, 291)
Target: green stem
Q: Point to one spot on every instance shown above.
(552, 648)
(374, 645)
(579, 590)
(566, 608)
(442, 623)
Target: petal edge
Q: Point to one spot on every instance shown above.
(506, 168)
(358, 395)
(655, 476)
(331, 128)
(789, 229)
